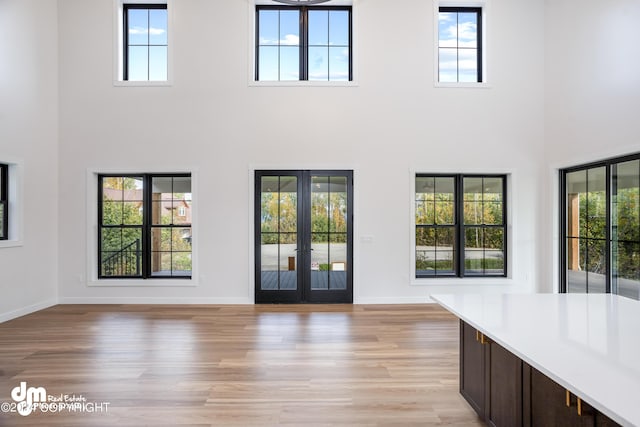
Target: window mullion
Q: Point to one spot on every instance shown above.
(4, 200)
(147, 220)
(479, 44)
(607, 231)
(148, 44)
(125, 38)
(460, 229)
(304, 43)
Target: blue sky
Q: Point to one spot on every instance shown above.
(457, 47)
(147, 44)
(279, 41)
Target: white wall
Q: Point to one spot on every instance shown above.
(211, 120)
(28, 137)
(592, 93)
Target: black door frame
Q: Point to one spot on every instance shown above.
(303, 292)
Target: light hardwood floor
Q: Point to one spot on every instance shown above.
(263, 365)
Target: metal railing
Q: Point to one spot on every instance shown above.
(125, 262)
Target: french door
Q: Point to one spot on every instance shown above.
(303, 236)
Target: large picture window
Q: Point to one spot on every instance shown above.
(303, 43)
(4, 202)
(460, 225)
(601, 227)
(142, 233)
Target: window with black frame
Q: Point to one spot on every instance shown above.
(460, 225)
(145, 42)
(460, 44)
(4, 202)
(145, 226)
(600, 249)
(303, 43)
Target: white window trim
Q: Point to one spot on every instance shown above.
(484, 84)
(251, 48)
(118, 54)
(469, 280)
(15, 202)
(92, 233)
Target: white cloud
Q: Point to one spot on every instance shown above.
(143, 30)
(468, 31)
(289, 40)
(462, 35)
(446, 17)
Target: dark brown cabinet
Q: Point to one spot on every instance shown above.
(553, 405)
(505, 391)
(490, 378)
(505, 387)
(549, 403)
(473, 358)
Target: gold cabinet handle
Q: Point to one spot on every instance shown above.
(579, 406)
(483, 339)
(568, 401)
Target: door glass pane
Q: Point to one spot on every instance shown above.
(338, 261)
(576, 184)
(329, 232)
(338, 204)
(2, 211)
(278, 229)
(320, 227)
(320, 250)
(625, 229)
(337, 257)
(596, 266)
(586, 230)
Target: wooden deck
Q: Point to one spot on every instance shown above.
(287, 280)
(263, 365)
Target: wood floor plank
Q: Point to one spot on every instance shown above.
(262, 365)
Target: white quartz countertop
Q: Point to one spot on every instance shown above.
(587, 343)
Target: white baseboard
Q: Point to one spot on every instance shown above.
(27, 310)
(186, 301)
(394, 300)
(153, 300)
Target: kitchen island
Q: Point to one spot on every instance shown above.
(549, 359)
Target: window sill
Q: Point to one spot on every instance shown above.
(482, 85)
(302, 83)
(129, 83)
(10, 243)
(142, 283)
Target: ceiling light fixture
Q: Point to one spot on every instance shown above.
(301, 2)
